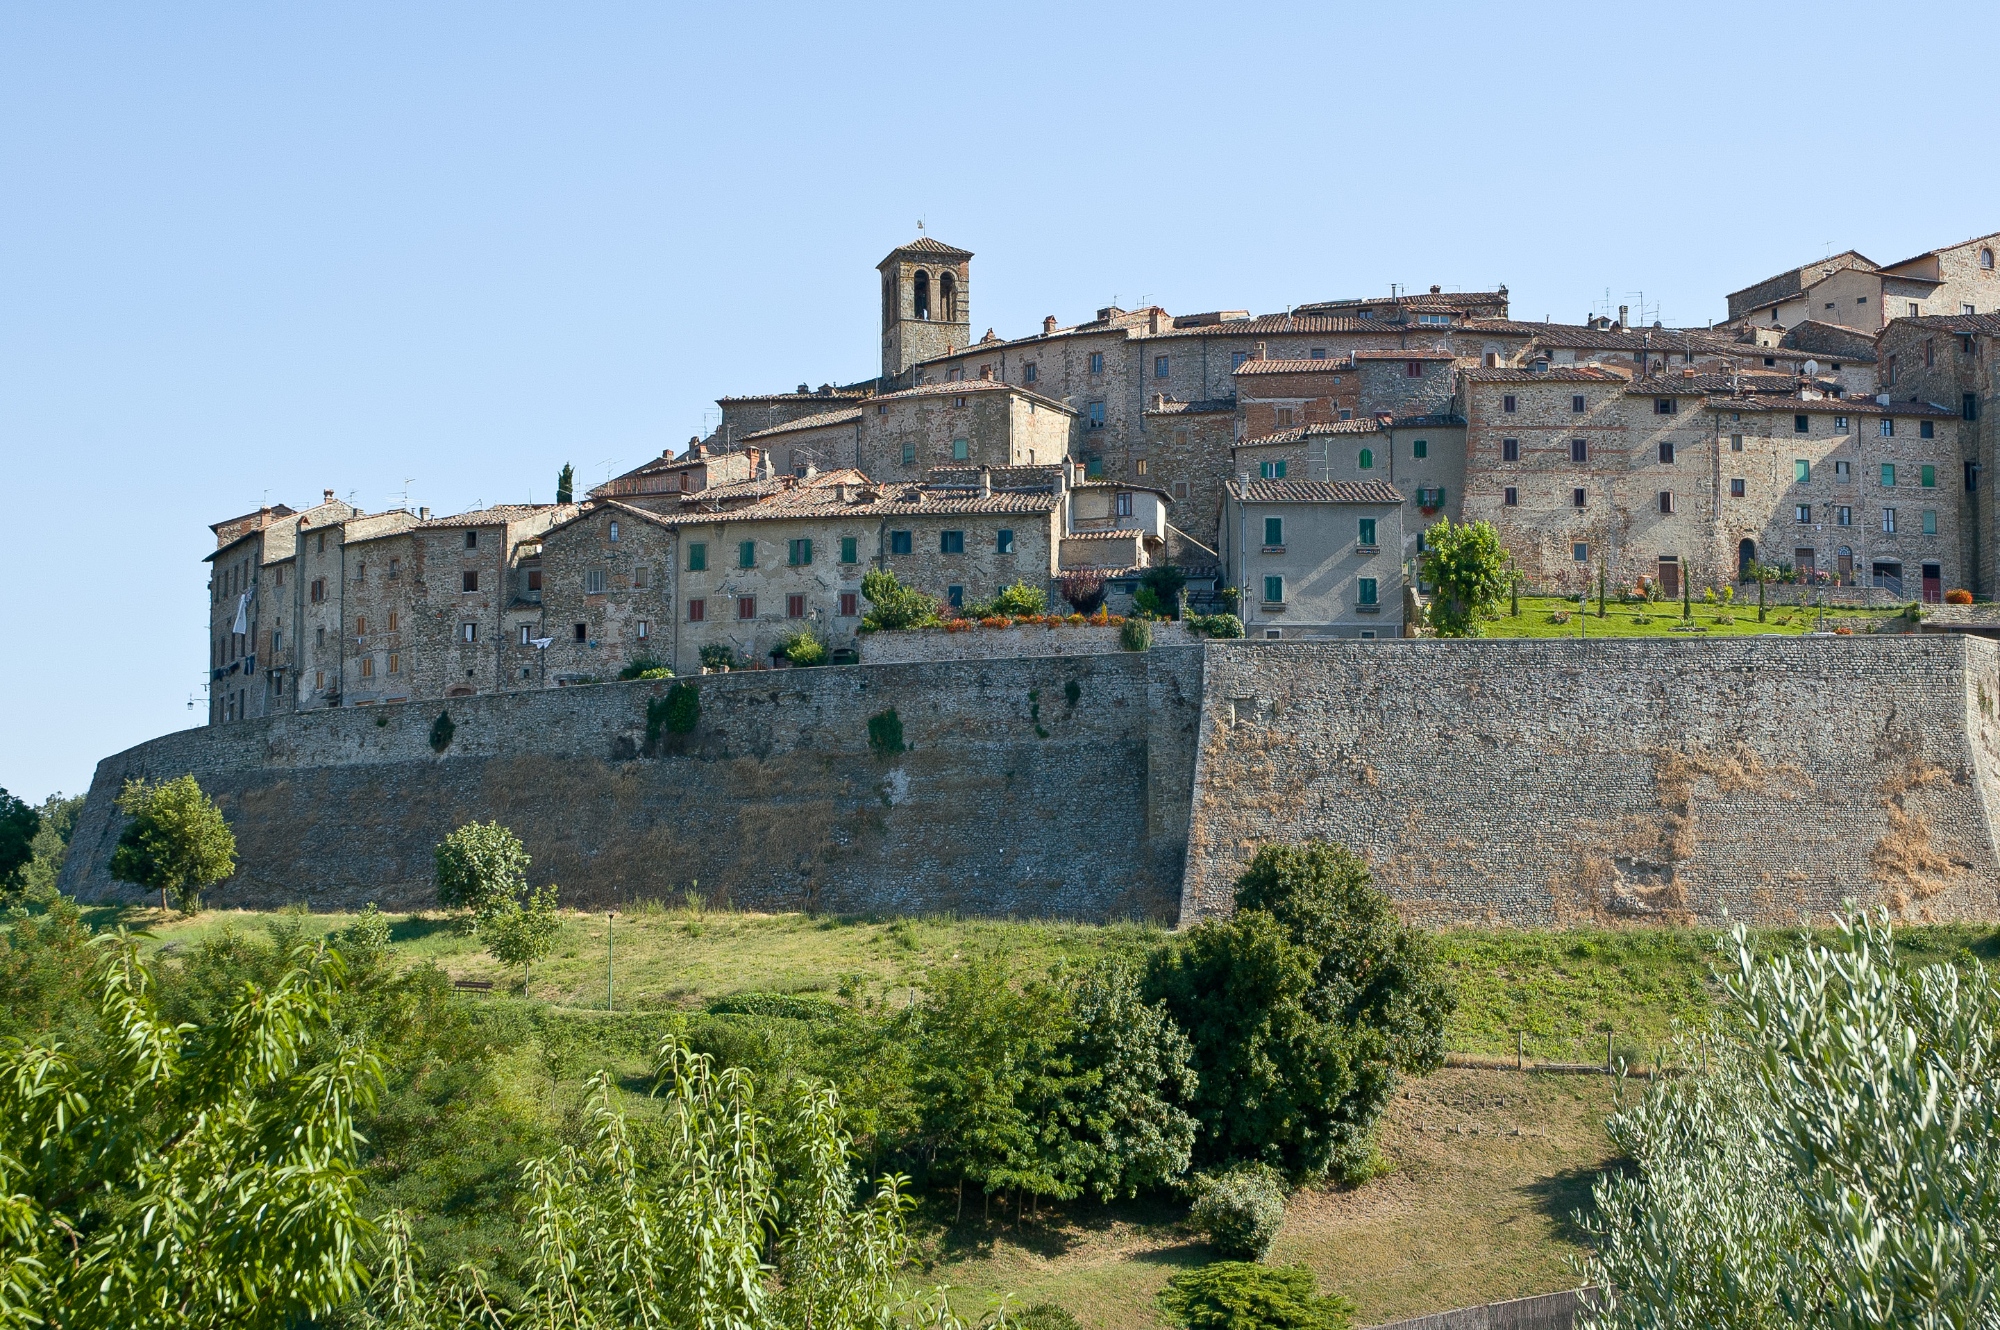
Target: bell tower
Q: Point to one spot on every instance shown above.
(926, 306)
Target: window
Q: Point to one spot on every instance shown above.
(849, 549)
(1915, 309)
(640, 577)
(468, 632)
(697, 610)
(1579, 450)
(955, 597)
(1576, 497)
(1096, 416)
(1512, 497)
(1842, 473)
(1666, 450)
(1367, 525)
(360, 573)
(1367, 459)
(1801, 470)
(795, 607)
(395, 663)
(1124, 505)
(850, 605)
(1271, 470)
(472, 540)
(1667, 502)
(1840, 424)
(1282, 416)
(1580, 552)
(1968, 409)
(1843, 517)
(1986, 259)
(1004, 543)
(360, 626)
(961, 450)
(1181, 490)
(1736, 443)
(746, 554)
(1888, 473)
(1420, 448)
(1510, 450)
(1930, 521)
(800, 553)
(1576, 403)
(1274, 532)
(319, 637)
(909, 454)
(1274, 590)
(1930, 353)
(368, 667)
(1889, 373)
(1888, 428)
(1926, 429)
(1802, 512)
(470, 579)
(278, 573)
(899, 542)
(1096, 362)
(1093, 465)
(697, 557)
(1160, 367)
(1889, 521)
(1928, 476)
(951, 542)
(593, 581)
(1365, 587)
(1139, 466)
(1801, 424)
(1413, 369)
(1236, 359)
(746, 607)
(1665, 406)
(319, 680)
(1507, 404)
(1030, 372)
(1736, 487)
(526, 629)
(614, 533)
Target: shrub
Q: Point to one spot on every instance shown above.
(1216, 625)
(1958, 596)
(1046, 1316)
(478, 866)
(1240, 1211)
(646, 667)
(785, 1006)
(718, 656)
(893, 606)
(441, 731)
(885, 733)
(1136, 635)
(1238, 1295)
(1147, 602)
(176, 843)
(805, 648)
(1165, 582)
(1017, 601)
(676, 713)
(1083, 588)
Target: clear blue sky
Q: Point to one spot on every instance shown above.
(252, 252)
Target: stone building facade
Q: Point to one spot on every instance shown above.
(1954, 360)
(1315, 559)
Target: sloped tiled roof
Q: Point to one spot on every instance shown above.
(1705, 385)
(1307, 366)
(822, 421)
(1202, 407)
(495, 515)
(1959, 325)
(926, 245)
(1404, 354)
(1265, 324)
(1553, 374)
(1315, 491)
(962, 387)
(1832, 406)
(1443, 300)
(834, 395)
(1932, 253)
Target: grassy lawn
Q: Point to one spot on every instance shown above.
(1486, 1170)
(1548, 616)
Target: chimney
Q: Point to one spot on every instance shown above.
(809, 471)
(985, 482)
(1435, 288)
(1048, 325)
(986, 373)
(328, 496)
(423, 514)
(1153, 322)
(1159, 401)
(1258, 354)
(803, 390)
(844, 492)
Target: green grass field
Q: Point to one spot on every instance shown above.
(1548, 616)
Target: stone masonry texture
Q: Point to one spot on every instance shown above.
(1519, 782)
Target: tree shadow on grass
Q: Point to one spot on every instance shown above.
(1564, 1198)
(417, 927)
(1056, 1233)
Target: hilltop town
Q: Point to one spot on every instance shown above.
(1836, 425)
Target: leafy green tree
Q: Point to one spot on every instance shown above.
(1373, 969)
(1133, 1070)
(480, 866)
(48, 973)
(519, 932)
(1241, 1295)
(565, 483)
(51, 846)
(19, 822)
(177, 842)
(1017, 601)
(1159, 591)
(746, 1220)
(1466, 566)
(805, 648)
(891, 605)
(169, 1176)
(1833, 1160)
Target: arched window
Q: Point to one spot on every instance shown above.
(888, 298)
(1746, 554)
(1367, 458)
(1986, 258)
(923, 307)
(948, 297)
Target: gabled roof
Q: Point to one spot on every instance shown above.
(964, 387)
(1794, 280)
(822, 421)
(1933, 253)
(1961, 325)
(498, 514)
(609, 508)
(1324, 365)
(1315, 491)
(925, 247)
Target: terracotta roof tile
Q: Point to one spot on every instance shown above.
(1315, 491)
(926, 245)
(1323, 365)
(846, 417)
(1202, 407)
(1553, 374)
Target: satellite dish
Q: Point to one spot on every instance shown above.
(1811, 368)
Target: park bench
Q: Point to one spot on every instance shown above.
(473, 985)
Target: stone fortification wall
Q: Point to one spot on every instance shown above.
(1521, 782)
(1021, 787)
(1542, 782)
(896, 648)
